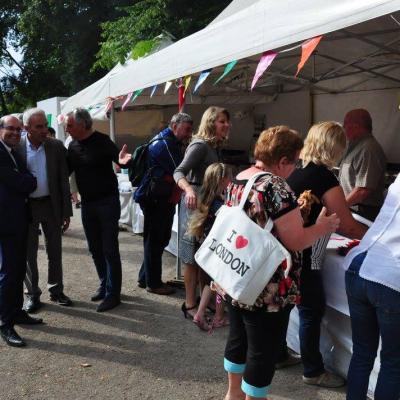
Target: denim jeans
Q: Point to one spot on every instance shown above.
(374, 312)
(100, 222)
(311, 310)
(158, 218)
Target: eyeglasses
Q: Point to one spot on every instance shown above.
(12, 129)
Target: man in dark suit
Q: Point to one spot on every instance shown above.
(15, 185)
(49, 205)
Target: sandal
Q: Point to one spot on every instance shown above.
(202, 324)
(186, 309)
(220, 323)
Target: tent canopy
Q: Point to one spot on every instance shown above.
(249, 27)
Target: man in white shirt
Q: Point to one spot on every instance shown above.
(50, 206)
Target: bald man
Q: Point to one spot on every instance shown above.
(362, 169)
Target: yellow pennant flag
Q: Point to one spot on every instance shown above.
(187, 83)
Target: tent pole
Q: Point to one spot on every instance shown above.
(112, 123)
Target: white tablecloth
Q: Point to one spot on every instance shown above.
(336, 344)
(131, 213)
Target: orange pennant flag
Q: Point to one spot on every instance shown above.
(306, 50)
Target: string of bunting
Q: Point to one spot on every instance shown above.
(266, 60)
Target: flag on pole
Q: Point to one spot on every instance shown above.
(265, 61)
(227, 69)
(306, 50)
(203, 76)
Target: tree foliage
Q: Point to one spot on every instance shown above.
(58, 41)
(146, 19)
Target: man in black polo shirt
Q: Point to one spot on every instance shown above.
(91, 155)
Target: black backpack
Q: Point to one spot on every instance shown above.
(138, 166)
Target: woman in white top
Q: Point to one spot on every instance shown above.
(373, 291)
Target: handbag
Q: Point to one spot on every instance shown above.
(238, 254)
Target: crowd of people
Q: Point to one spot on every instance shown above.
(297, 190)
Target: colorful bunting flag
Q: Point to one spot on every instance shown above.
(227, 69)
(136, 94)
(153, 90)
(167, 86)
(203, 76)
(109, 105)
(306, 50)
(265, 62)
(181, 94)
(187, 83)
(127, 100)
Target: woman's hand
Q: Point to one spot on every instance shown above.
(328, 224)
(124, 156)
(190, 198)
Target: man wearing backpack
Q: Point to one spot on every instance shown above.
(158, 195)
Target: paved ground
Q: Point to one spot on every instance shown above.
(144, 349)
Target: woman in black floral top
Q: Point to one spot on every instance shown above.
(255, 331)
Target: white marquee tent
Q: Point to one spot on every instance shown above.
(355, 65)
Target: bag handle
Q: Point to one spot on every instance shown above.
(269, 224)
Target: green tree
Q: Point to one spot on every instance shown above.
(58, 41)
(146, 19)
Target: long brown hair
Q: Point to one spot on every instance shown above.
(210, 188)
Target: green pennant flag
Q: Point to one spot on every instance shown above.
(227, 69)
(49, 118)
(136, 95)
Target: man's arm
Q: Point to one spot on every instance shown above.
(357, 195)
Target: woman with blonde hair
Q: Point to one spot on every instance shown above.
(255, 331)
(201, 152)
(316, 186)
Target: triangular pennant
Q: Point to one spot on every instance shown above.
(306, 50)
(167, 86)
(153, 90)
(127, 100)
(187, 83)
(203, 76)
(227, 69)
(137, 94)
(265, 62)
(109, 105)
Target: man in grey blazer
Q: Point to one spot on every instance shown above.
(50, 206)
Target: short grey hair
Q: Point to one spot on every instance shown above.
(28, 114)
(180, 118)
(81, 115)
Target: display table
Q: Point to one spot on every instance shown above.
(131, 214)
(336, 344)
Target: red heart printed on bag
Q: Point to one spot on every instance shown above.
(241, 242)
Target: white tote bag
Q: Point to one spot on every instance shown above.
(238, 254)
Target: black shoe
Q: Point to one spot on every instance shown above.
(11, 337)
(61, 299)
(99, 295)
(23, 318)
(141, 284)
(108, 303)
(32, 304)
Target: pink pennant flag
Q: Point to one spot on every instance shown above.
(128, 98)
(109, 105)
(265, 61)
(306, 50)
